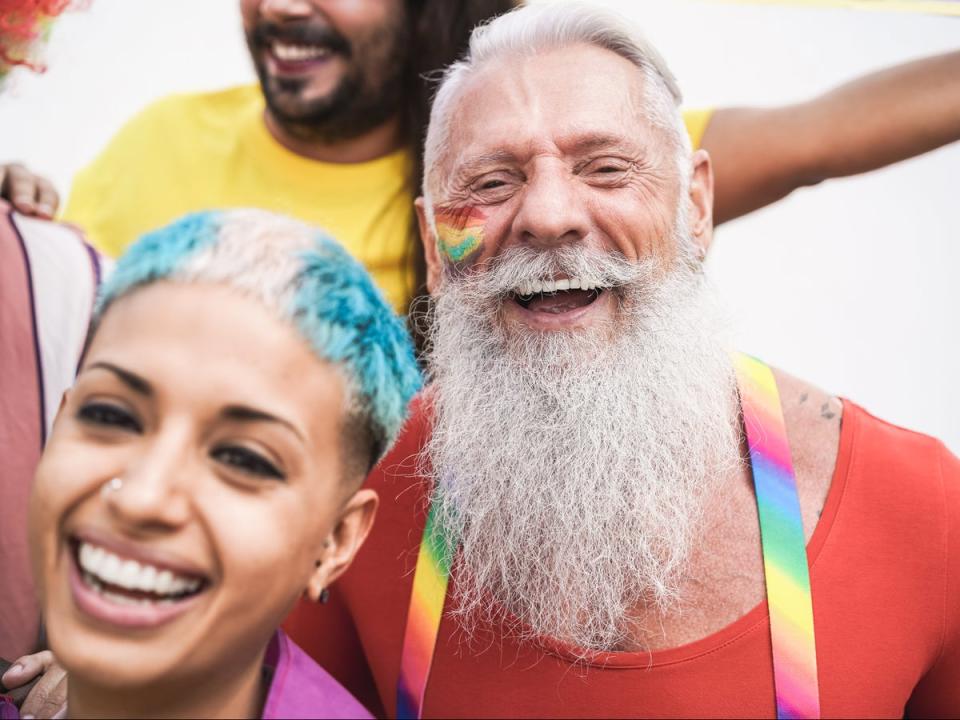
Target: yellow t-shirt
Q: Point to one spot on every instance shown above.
(696, 121)
(212, 150)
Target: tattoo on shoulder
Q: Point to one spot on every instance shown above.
(826, 413)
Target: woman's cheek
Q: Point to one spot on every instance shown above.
(252, 556)
(460, 235)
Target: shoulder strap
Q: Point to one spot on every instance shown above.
(427, 598)
(784, 549)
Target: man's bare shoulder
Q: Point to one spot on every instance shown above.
(813, 417)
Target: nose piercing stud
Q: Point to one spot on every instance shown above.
(112, 485)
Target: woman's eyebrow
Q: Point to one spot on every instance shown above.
(244, 413)
(130, 379)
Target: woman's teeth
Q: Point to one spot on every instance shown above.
(101, 567)
(298, 53)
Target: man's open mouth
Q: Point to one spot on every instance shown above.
(294, 54)
(131, 583)
(296, 57)
(557, 296)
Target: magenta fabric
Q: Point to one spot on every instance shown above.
(8, 711)
(302, 689)
(299, 689)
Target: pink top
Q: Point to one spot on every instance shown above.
(302, 689)
(299, 688)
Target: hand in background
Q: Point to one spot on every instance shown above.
(48, 696)
(28, 193)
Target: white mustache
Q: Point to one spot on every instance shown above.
(518, 267)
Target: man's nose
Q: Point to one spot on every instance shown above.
(552, 212)
(151, 493)
(280, 10)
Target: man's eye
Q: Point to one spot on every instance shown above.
(247, 461)
(492, 184)
(605, 168)
(107, 415)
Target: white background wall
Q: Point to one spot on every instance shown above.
(850, 285)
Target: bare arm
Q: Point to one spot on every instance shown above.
(762, 155)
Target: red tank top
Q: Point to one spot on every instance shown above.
(885, 577)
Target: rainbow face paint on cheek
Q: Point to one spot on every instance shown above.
(459, 233)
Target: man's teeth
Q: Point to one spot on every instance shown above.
(104, 566)
(298, 53)
(549, 286)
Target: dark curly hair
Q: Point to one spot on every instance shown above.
(438, 32)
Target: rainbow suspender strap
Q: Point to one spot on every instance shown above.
(784, 561)
(781, 536)
(430, 580)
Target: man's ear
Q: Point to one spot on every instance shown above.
(341, 545)
(701, 201)
(429, 240)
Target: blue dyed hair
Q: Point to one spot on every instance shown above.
(309, 280)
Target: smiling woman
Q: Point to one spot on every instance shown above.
(241, 378)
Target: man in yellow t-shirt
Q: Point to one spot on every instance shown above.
(332, 134)
(193, 152)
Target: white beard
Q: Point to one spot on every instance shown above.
(573, 466)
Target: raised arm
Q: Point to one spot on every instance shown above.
(762, 155)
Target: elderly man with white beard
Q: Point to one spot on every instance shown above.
(572, 520)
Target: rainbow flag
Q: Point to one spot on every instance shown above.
(929, 7)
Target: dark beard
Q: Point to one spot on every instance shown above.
(367, 96)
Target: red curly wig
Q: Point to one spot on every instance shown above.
(22, 22)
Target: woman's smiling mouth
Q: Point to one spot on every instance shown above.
(117, 588)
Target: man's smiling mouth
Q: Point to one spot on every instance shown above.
(557, 296)
(291, 53)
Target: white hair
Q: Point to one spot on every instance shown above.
(529, 30)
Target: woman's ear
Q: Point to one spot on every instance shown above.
(701, 201)
(429, 240)
(341, 545)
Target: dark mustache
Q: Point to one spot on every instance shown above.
(295, 33)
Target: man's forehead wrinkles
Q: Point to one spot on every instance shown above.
(518, 151)
(587, 139)
(474, 161)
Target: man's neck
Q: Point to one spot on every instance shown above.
(726, 567)
(237, 694)
(381, 140)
